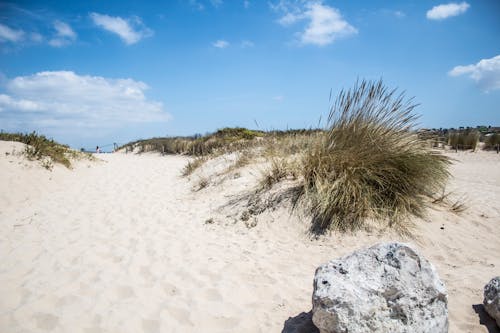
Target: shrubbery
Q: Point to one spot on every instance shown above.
(370, 164)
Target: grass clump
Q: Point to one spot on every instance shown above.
(191, 166)
(369, 164)
(492, 141)
(278, 170)
(463, 139)
(38, 147)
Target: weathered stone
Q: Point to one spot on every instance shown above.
(386, 288)
(492, 299)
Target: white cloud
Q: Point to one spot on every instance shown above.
(486, 73)
(64, 34)
(221, 44)
(8, 103)
(442, 12)
(290, 18)
(66, 101)
(36, 37)
(129, 30)
(10, 35)
(325, 23)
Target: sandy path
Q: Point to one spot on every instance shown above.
(122, 246)
(118, 248)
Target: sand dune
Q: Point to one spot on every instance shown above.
(123, 245)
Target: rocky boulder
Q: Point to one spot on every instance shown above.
(389, 287)
(492, 299)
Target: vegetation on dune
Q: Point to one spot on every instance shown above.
(38, 147)
(465, 139)
(369, 164)
(492, 141)
(222, 141)
(191, 166)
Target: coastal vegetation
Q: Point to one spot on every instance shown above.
(40, 148)
(369, 163)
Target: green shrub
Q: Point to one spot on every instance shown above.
(39, 147)
(369, 164)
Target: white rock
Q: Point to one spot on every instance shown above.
(386, 288)
(492, 299)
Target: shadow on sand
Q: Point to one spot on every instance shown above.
(485, 319)
(301, 323)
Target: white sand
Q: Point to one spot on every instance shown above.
(122, 246)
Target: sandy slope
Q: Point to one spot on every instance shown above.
(123, 246)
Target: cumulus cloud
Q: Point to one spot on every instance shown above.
(221, 44)
(325, 24)
(442, 12)
(64, 34)
(10, 35)
(66, 101)
(486, 73)
(129, 30)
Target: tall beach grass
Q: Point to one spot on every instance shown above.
(369, 163)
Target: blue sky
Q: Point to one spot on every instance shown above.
(91, 73)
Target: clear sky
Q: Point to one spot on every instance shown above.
(94, 72)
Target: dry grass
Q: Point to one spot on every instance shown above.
(47, 151)
(369, 164)
(463, 139)
(192, 165)
(492, 142)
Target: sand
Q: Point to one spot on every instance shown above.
(126, 245)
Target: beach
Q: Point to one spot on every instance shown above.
(124, 244)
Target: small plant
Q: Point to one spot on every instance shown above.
(47, 164)
(455, 206)
(191, 166)
(369, 164)
(278, 171)
(202, 183)
(245, 215)
(458, 206)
